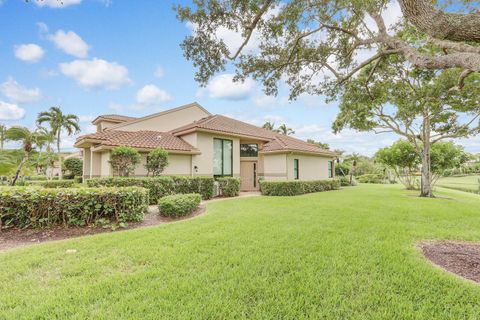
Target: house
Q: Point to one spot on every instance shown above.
(202, 144)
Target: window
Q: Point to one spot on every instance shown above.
(249, 150)
(222, 157)
(330, 169)
(295, 169)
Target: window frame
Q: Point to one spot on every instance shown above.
(296, 169)
(249, 144)
(330, 169)
(223, 157)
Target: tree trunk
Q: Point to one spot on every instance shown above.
(24, 160)
(60, 175)
(426, 182)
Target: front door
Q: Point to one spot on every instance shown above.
(248, 175)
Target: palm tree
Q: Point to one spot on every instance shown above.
(3, 130)
(28, 140)
(269, 126)
(59, 121)
(283, 129)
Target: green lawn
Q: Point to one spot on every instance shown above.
(466, 183)
(347, 254)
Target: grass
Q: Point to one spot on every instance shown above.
(348, 254)
(462, 183)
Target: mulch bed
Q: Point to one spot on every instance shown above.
(12, 238)
(461, 258)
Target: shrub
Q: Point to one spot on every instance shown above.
(159, 187)
(345, 181)
(124, 160)
(371, 178)
(157, 160)
(229, 186)
(178, 205)
(52, 183)
(36, 207)
(293, 188)
(74, 166)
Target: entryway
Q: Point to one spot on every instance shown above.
(248, 175)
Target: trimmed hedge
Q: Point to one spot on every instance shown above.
(229, 186)
(293, 188)
(179, 205)
(159, 187)
(372, 178)
(52, 183)
(36, 207)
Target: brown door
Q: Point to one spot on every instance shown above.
(248, 175)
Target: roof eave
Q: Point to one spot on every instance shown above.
(225, 133)
(322, 154)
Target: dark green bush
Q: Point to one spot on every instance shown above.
(74, 167)
(179, 205)
(37, 207)
(372, 178)
(160, 186)
(345, 181)
(229, 186)
(52, 183)
(293, 188)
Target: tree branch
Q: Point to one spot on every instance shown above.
(438, 24)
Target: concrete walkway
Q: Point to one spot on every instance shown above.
(243, 194)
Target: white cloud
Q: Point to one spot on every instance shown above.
(57, 4)
(70, 43)
(86, 118)
(19, 94)
(96, 73)
(159, 72)
(29, 52)
(366, 143)
(9, 111)
(223, 87)
(151, 94)
(42, 27)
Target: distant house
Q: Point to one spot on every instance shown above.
(202, 144)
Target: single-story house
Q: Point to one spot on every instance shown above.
(202, 144)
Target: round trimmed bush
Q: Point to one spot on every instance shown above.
(179, 205)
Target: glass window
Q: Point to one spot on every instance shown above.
(249, 150)
(222, 157)
(330, 169)
(295, 169)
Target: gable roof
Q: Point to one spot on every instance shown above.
(285, 143)
(135, 120)
(113, 118)
(137, 139)
(226, 125)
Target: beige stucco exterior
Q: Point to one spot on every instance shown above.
(166, 120)
(200, 161)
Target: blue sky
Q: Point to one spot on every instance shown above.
(96, 57)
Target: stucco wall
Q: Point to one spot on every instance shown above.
(275, 166)
(105, 169)
(310, 167)
(179, 164)
(96, 164)
(167, 121)
(204, 161)
(86, 163)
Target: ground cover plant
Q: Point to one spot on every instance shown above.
(349, 254)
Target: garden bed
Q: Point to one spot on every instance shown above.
(461, 258)
(12, 238)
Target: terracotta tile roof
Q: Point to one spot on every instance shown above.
(139, 139)
(114, 118)
(227, 125)
(286, 143)
(277, 142)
